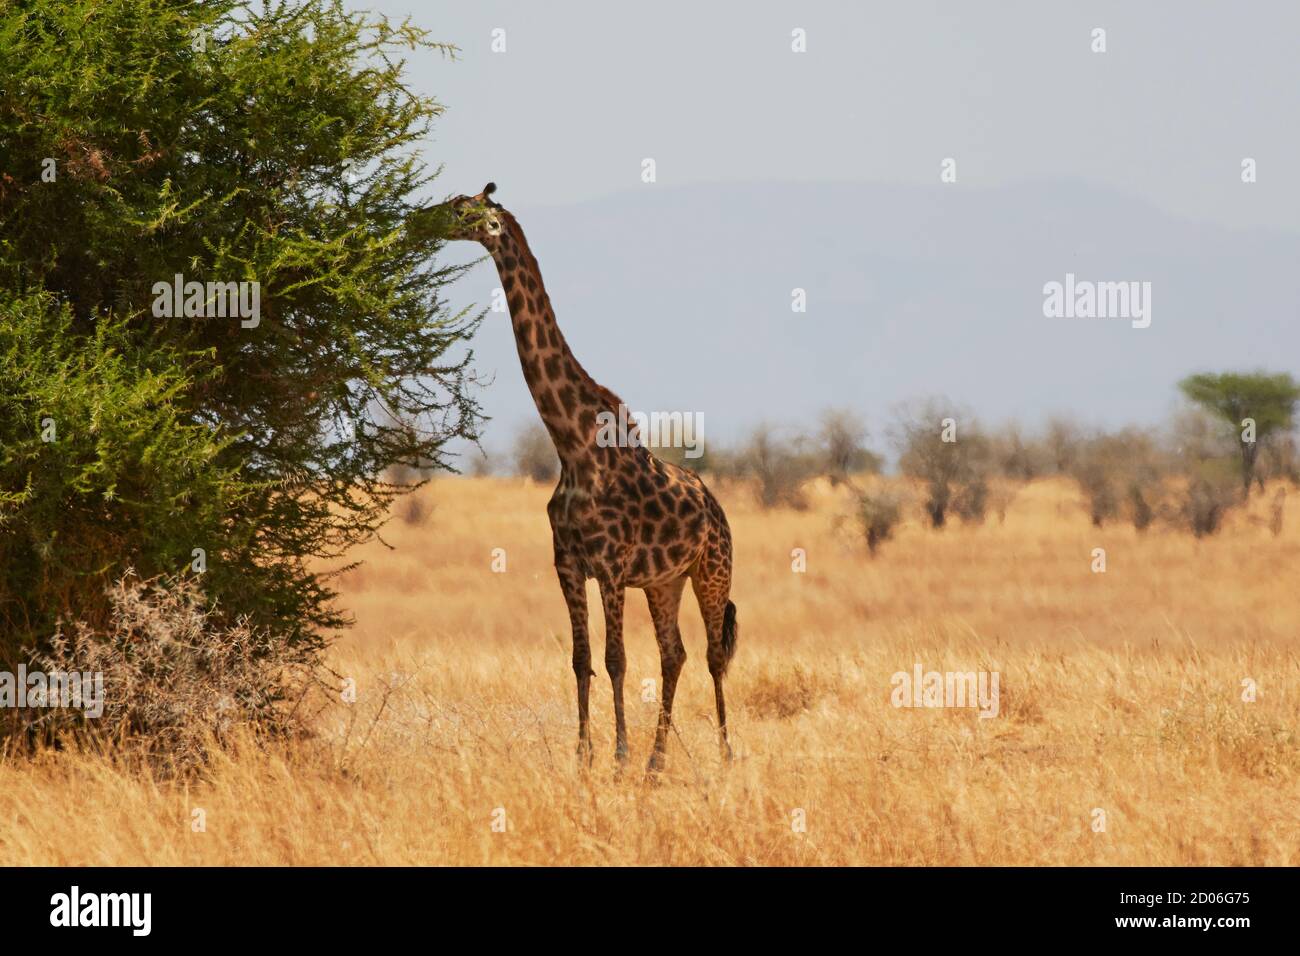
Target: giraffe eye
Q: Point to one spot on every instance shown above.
(494, 227)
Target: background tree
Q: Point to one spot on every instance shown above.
(1018, 457)
(1269, 400)
(780, 466)
(842, 438)
(223, 141)
(1278, 460)
(1203, 456)
(1062, 444)
(952, 459)
(535, 455)
(877, 513)
(1117, 471)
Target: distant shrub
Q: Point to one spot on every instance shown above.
(1061, 445)
(713, 459)
(405, 480)
(1143, 512)
(1098, 487)
(1208, 463)
(971, 502)
(780, 470)
(414, 510)
(1279, 460)
(878, 513)
(1017, 457)
(1001, 493)
(954, 472)
(842, 448)
(1120, 470)
(535, 456)
(1205, 502)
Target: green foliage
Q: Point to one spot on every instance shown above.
(225, 142)
(1269, 399)
(98, 466)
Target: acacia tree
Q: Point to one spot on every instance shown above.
(225, 142)
(1256, 406)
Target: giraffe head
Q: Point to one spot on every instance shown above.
(477, 218)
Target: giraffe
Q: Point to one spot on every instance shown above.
(619, 514)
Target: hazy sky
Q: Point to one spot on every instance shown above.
(885, 91)
(1127, 163)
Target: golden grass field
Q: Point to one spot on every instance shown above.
(1120, 691)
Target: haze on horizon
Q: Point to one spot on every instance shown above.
(821, 170)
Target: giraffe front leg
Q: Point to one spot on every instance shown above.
(615, 661)
(574, 586)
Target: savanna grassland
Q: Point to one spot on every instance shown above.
(1120, 692)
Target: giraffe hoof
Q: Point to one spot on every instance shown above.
(655, 766)
(620, 753)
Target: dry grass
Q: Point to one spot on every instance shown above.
(1120, 691)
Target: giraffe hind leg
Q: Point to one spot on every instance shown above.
(712, 592)
(664, 601)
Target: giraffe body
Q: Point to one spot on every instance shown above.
(619, 515)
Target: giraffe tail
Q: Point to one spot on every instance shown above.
(729, 632)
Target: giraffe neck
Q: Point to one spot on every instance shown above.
(567, 398)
